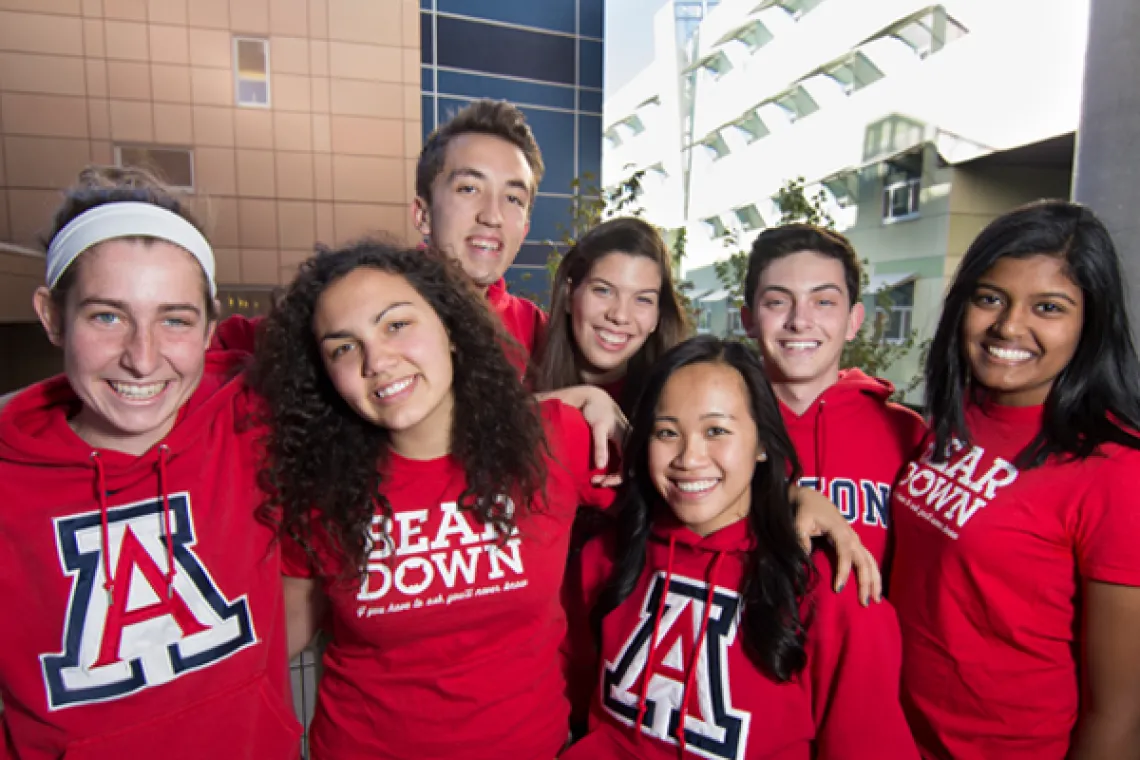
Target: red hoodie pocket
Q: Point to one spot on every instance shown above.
(248, 723)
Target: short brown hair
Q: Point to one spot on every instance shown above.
(497, 118)
(777, 242)
(100, 185)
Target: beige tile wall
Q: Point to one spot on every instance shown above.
(331, 159)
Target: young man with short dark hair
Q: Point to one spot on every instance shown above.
(802, 306)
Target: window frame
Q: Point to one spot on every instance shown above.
(913, 187)
(237, 40)
(118, 155)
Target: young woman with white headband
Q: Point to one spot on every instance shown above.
(145, 614)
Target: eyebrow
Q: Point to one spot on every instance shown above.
(1046, 294)
(816, 289)
(123, 306)
(707, 415)
(604, 281)
(342, 334)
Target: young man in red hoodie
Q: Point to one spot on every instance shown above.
(802, 306)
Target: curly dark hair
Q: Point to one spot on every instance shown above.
(778, 575)
(325, 461)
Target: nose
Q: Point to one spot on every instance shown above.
(491, 212)
(1011, 322)
(141, 355)
(378, 358)
(692, 454)
(618, 311)
(796, 319)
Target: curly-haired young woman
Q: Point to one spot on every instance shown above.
(426, 500)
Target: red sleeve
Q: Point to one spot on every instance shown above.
(235, 333)
(854, 660)
(1108, 522)
(295, 562)
(539, 330)
(585, 576)
(573, 448)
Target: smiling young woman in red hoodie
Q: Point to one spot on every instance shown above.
(145, 614)
(705, 628)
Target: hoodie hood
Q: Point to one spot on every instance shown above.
(34, 431)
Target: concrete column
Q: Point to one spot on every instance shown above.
(1107, 172)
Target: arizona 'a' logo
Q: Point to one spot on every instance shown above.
(712, 727)
(146, 635)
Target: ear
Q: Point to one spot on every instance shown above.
(421, 216)
(49, 315)
(746, 320)
(213, 325)
(855, 321)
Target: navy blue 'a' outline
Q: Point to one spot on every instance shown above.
(86, 565)
(717, 632)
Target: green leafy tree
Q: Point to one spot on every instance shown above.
(870, 350)
(591, 205)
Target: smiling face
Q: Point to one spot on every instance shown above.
(134, 332)
(613, 312)
(704, 447)
(389, 357)
(802, 317)
(480, 205)
(1022, 327)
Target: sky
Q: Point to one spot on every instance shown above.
(629, 39)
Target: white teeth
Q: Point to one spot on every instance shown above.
(394, 388)
(137, 392)
(696, 486)
(801, 345)
(486, 245)
(613, 338)
(1009, 354)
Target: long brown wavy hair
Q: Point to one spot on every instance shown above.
(325, 461)
(556, 363)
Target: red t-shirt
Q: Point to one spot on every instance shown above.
(844, 704)
(183, 671)
(988, 567)
(450, 646)
(852, 444)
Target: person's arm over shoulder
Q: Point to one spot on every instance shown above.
(572, 445)
(854, 663)
(1107, 534)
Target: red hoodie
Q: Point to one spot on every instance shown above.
(844, 705)
(449, 647)
(184, 658)
(852, 445)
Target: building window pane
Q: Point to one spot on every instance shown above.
(174, 166)
(251, 62)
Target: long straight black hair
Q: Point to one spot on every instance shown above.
(778, 574)
(1096, 397)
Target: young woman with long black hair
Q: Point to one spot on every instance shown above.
(713, 635)
(1016, 574)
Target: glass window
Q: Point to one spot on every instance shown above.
(174, 166)
(251, 62)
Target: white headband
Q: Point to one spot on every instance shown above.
(126, 219)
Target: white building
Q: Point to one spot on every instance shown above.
(907, 113)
